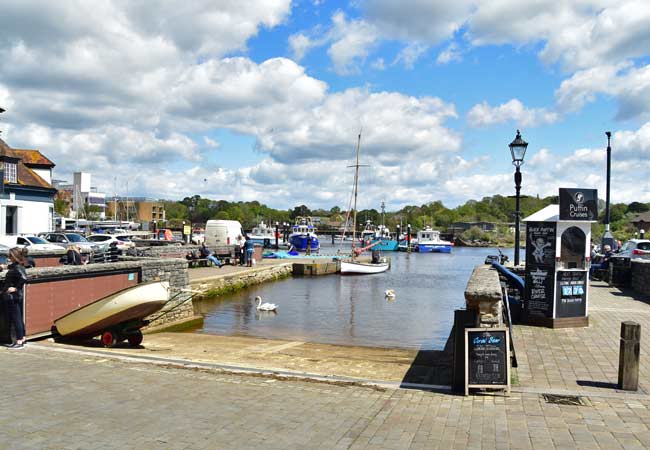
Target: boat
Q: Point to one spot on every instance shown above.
(303, 235)
(368, 233)
(353, 266)
(429, 242)
(262, 234)
(382, 236)
(119, 315)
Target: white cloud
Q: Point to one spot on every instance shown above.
(485, 115)
(411, 53)
(300, 44)
(450, 54)
(352, 41)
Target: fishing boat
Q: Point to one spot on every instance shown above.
(429, 242)
(303, 235)
(382, 238)
(353, 266)
(368, 233)
(117, 316)
(262, 234)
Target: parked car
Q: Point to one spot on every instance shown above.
(635, 249)
(68, 239)
(33, 242)
(123, 242)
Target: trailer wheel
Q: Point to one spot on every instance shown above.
(108, 339)
(135, 338)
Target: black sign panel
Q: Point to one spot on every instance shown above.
(540, 269)
(487, 357)
(578, 204)
(571, 300)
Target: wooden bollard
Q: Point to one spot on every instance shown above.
(628, 362)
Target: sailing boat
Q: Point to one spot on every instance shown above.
(352, 266)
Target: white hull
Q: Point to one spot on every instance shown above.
(129, 304)
(350, 268)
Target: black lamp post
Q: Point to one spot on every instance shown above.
(277, 232)
(518, 151)
(608, 238)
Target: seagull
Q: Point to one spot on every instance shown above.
(390, 294)
(265, 306)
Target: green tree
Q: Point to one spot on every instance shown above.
(61, 207)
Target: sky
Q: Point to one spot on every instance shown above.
(264, 99)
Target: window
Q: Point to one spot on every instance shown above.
(10, 172)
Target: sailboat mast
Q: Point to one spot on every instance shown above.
(356, 190)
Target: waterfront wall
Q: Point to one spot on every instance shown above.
(225, 284)
(641, 277)
(483, 295)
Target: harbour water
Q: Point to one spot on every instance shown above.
(353, 310)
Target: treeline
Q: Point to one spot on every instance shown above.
(496, 209)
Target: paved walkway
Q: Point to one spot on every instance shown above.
(69, 400)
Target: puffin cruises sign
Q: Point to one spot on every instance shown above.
(578, 204)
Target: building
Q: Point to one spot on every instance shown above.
(642, 222)
(83, 195)
(138, 209)
(459, 227)
(26, 194)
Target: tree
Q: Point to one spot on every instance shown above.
(300, 211)
(61, 207)
(636, 207)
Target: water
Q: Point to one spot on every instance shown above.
(353, 310)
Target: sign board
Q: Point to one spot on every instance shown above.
(578, 204)
(487, 358)
(540, 269)
(187, 229)
(571, 298)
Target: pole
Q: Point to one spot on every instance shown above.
(608, 238)
(277, 244)
(517, 213)
(408, 237)
(356, 187)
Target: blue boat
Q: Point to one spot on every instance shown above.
(429, 242)
(384, 240)
(303, 235)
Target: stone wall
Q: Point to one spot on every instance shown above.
(214, 286)
(483, 294)
(641, 277)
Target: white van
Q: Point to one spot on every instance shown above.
(220, 233)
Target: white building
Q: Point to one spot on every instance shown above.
(26, 193)
(82, 193)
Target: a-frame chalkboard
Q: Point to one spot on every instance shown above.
(487, 358)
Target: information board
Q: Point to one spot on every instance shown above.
(487, 358)
(540, 269)
(571, 299)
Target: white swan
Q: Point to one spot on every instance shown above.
(265, 306)
(390, 293)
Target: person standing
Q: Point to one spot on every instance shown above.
(239, 249)
(13, 294)
(250, 248)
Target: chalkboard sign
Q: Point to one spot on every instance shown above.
(571, 298)
(540, 269)
(487, 358)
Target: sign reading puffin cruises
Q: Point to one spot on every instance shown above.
(540, 269)
(578, 204)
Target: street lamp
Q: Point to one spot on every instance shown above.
(608, 237)
(518, 151)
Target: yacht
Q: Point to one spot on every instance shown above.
(429, 242)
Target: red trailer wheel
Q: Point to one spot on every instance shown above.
(108, 339)
(135, 338)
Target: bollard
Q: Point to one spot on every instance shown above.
(628, 362)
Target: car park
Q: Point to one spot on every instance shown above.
(68, 239)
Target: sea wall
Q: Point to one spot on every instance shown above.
(483, 295)
(214, 286)
(641, 277)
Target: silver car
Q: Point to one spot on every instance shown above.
(635, 249)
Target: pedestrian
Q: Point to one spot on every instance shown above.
(12, 295)
(29, 261)
(603, 263)
(239, 249)
(206, 253)
(250, 248)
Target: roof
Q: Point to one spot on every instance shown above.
(549, 214)
(33, 157)
(643, 217)
(25, 176)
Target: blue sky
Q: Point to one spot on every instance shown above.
(263, 100)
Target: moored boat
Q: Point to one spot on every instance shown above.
(303, 235)
(362, 268)
(262, 234)
(429, 242)
(131, 304)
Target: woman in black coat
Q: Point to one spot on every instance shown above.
(12, 293)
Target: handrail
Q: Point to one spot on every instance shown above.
(518, 282)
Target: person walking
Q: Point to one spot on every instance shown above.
(250, 248)
(13, 294)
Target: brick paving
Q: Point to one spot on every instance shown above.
(63, 400)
